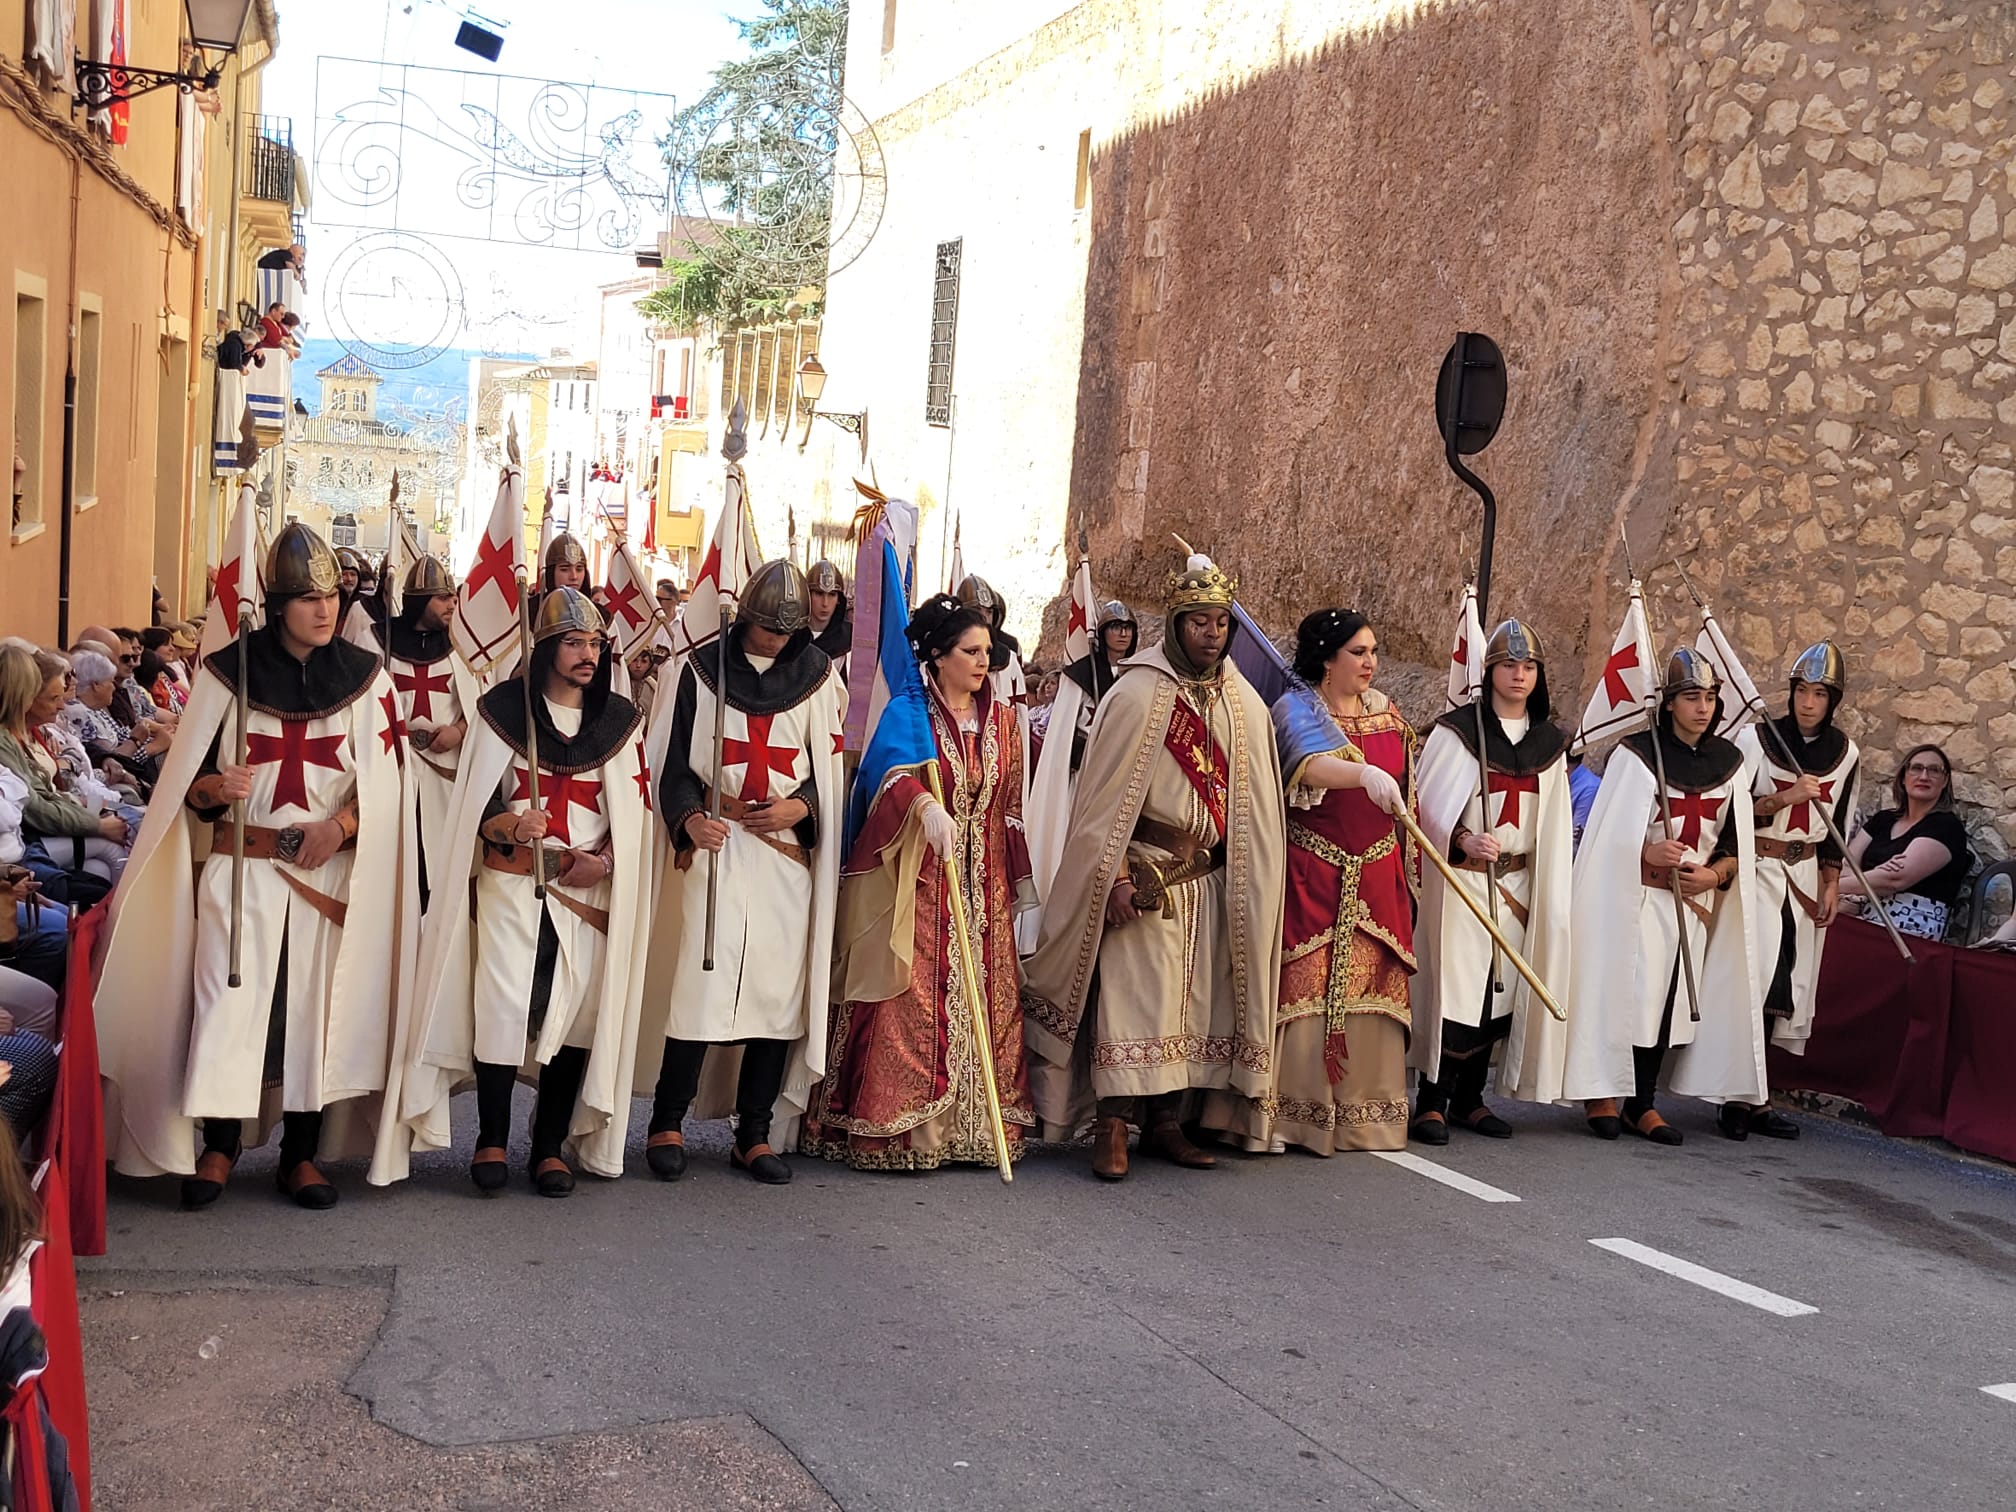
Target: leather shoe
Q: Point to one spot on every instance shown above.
(763, 1163)
(489, 1169)
(305, 1185)
(1109, 1149)
(1170, 1142)
(1429, 1129)
(552, 1178)
(1772, 1124)
(1733, 1122)
(1603, 1120)
(213, 1169)
(1654, 1128)
(1481, 1120)
(666, 1155)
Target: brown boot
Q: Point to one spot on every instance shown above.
(1168, 1140)
(1109, 1149)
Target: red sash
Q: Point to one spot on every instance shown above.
(1200, 758)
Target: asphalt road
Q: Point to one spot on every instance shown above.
(1279, 1333)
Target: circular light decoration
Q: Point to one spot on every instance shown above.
(786, 167)
(396, 301)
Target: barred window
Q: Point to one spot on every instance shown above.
(944, 326)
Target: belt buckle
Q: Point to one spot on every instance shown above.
(287, 844)
(1796, 850)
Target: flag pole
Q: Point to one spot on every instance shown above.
(1484, 798)
(734, 447)
(1666, 831)
(238, 745)
(1756, 707)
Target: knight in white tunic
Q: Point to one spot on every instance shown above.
(1462, 1010)
(1006, 680)
(437, 693)
(775, 858)
(325, 962)
(1803, 763)
(532, 981)
(1629, 1003)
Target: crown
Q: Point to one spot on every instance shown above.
(1202, 584)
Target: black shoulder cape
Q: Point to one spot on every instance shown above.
(837, 639)
(332, 678)
(406, 640)
(789, 681)
(1708, 765)
(1540, 748)
(1819, 755)
(602, 732)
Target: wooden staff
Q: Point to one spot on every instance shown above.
(238, 744)
(531, 729)
(983, 1041)
(1484, 804)
(1497, 937)
(714, 788)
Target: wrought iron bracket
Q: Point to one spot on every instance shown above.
(99, 84)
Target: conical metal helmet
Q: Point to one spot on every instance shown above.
(975, 592)
(563, 611)
(428, 578)
(775, 598)
(1514, 640)
(1113, 612)
(300, 564)
(348, 560)
(825, 578)
(565, 552)
(1687, 669)
(1821, 663)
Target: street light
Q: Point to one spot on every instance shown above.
(811, 384)
(215, 26)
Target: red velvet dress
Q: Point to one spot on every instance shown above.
(902, 1088)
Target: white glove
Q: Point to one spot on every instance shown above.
(938, 828)
(1379, 786)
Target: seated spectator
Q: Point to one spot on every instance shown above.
(152, 674)
(144, 706)
(1915, 852)
(34, 934)
(272, 329)
(76, 854)
(123, 758)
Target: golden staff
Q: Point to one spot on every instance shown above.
(1449, 874)
(983, 1043)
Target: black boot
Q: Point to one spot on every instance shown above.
(1431, 1112)
(297, 1177)
(678, 1080)
(559, 1087)
(489, 1167)
(755, 1096)
(1467, 1106)
(1733, 1121)
(221, 1145)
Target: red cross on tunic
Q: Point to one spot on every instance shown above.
(394, 733)
(423, 686)
(1512, 787)
(1614, 687)
(295, 750)
(643, 777)
(493, 565)
(558, 792)
(1800, 815)
(1693, 810)
(759, 757)
(623, 603)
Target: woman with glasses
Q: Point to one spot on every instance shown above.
(75, 851)
(1915, 852)
(88, 718)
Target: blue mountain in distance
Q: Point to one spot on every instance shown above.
(424, 390)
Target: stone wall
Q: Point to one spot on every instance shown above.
(1845, 351)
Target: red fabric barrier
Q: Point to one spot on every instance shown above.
(52, 1277)
(1929, 1049)
(77, 1113)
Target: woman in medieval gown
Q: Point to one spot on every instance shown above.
(902, 1089)
(1347, 760)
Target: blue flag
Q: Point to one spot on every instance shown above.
(899, 724)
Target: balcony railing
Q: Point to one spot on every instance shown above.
(269, 159)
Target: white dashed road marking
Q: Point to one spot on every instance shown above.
(1478, 1189)
(1700, 1275)
(2006, 1391)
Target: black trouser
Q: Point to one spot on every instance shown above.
(559, 1079)
(1647, 1059)
(1458, 1088)
(756, 1091)
(300, 1133)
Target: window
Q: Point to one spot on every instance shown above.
(90, 365)
(888, 26)
(31, 313)
(325, 470)
(1083, 197)
(944, 326)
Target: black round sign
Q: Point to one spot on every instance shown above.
(1470, 393)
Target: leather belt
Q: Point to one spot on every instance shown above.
(266, 844)
(1504, 866)
(1154, 880)
(1181, 844)
(263, 843)
(738, 809)
(516, 861)
(1662, 878)
(432, 765)
(1786, 850)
